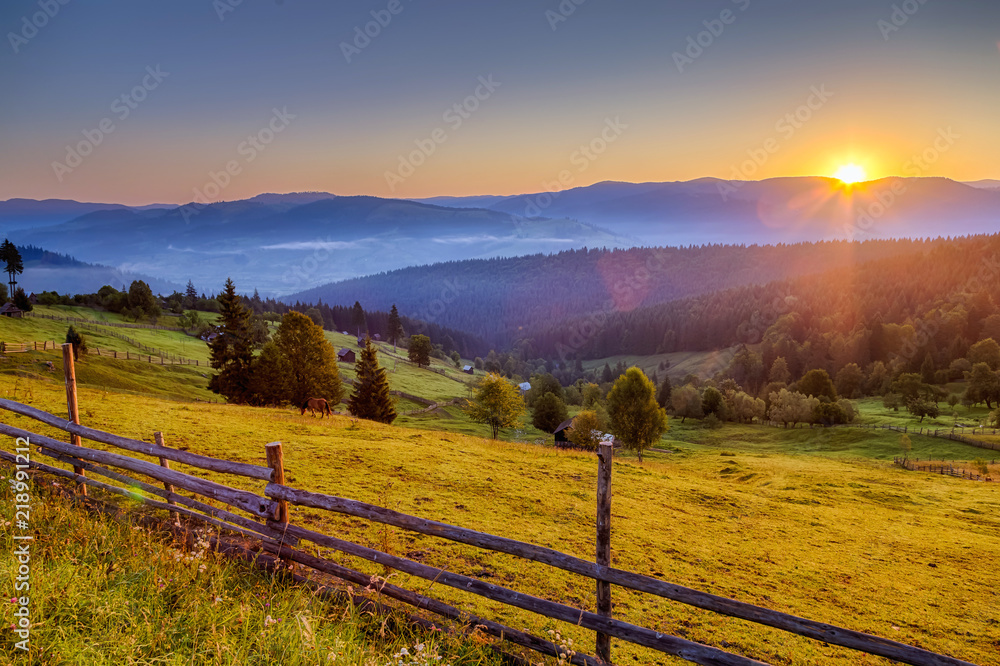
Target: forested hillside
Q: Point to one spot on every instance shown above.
(916, 311)
(499, 299)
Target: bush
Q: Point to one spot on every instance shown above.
(78, 341)
(549, 412)
(712, 421)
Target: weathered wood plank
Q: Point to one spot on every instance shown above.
(137, 446)
(699, 654)
(433, 605)
(66, 474)
(252, 504)
(809, 628)
(603, 544)
(172, 498)
(73, 407)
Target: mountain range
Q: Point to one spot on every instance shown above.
(282, 244)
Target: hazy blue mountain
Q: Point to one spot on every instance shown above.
(776, 210)
(52, 271)
(28, 213)
(278, 244)
(285, 243)
(483, 201)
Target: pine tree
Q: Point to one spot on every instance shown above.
(13, 265)
(231, 351)
(395, 326)
(370, 398)
(190, 295)
(358, 316)
(663, 397)
(79, 344)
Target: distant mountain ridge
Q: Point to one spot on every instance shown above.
(280, 243)
(776, 210)
(286, 243)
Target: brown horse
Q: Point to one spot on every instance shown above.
(314, 404)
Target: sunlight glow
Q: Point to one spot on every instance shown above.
(851, 173)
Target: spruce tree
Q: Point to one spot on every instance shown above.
(395, 326)
(358, 316)
(231, 351)
(370, 398)
(13, 265)
(663, 397)
(190, 295)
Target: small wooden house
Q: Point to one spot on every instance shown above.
(11, 310)
(561, 432)
(346, 355)
(377, 337)
(469, 370)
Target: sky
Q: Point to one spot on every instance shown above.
(143, 102)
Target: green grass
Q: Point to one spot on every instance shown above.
(104, 592)
(823, 528)
(703, 364)
(31, 329)
(178, 382)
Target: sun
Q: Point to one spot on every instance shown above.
(851, 173)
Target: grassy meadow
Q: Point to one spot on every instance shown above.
(811, 522)
(106, 593)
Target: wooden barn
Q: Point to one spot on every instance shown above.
(561, 431)
(11, 310)
(346, 355)
(469, 370)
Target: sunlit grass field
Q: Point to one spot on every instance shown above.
(105, 593)
(812, 522)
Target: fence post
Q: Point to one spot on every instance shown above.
(604, 453)
(276, 461)
(73, 407)
(165, 464)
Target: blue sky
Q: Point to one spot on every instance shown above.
(559, 77)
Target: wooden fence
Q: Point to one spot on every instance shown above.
(160, 358)
(20, 347)
(947, 470)
(265, 516)
(116, 324)
(944, 433)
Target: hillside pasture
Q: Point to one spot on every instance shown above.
(781, 519)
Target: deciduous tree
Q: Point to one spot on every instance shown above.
(311, 360)
(587, 430)
(686, 402)
(420, 350)
(549, 412)
(634, 417)
(497, 403)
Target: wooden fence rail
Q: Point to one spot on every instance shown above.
(944, 470)
(92, 322)
(157, 357)
(268, 521)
